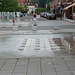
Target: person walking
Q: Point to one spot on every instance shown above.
(13, 21)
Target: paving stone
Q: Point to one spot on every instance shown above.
(11, 61)
(1, 64)
(71, 63)
(34, 72)
(8, 67)
(58, 61)
(22, 59)
(46, 60)
(35, 60)
(73, 72)
(61, 68)
(72, 68)
(19, 73)
(64, 73)
(20, 68)
(34, 64)
(48, 72)
(5, 73)
(22, 62)
(69, 59)
(48, 67)
(2, 60)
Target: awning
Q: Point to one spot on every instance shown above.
(66, 8)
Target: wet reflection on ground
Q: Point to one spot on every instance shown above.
(17, 46)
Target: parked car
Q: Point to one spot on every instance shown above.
(21, 14)
(45, 14)
(51, 16)
(42, 14)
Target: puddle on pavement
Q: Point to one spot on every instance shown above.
(17, 46)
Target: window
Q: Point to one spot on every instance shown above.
(28, 3)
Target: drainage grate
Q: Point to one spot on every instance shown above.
(22, 46)
(37, 40)
(23, 43)
(37, 48)
(20, 49)
(37, 43)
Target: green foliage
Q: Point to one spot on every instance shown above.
(9, 5)
(41, 3)
(32, 12)
(48, 7)
(23, 8)
(35, 1)
(41, 10)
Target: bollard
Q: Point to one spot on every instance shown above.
(34, 26)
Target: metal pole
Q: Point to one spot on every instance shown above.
(61, 11)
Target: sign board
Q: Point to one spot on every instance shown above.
(61, 8)
(34, 19)
(34, 16)
(38, 16)
(38, 13)
(32, 8)
(46, 5)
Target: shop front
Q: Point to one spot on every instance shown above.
(69, 8)
(70, 11)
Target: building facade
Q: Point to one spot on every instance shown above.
(69, 8)
(55, 6)
(26, 2)
(30, 5)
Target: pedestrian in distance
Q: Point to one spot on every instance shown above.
(24, 14)
(13, 21)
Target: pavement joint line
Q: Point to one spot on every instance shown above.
(54, 65)
(40, 66)
(67, 66)
(30, 44)
(14, 67)
(27, 66)
(3, 64)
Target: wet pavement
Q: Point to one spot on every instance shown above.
(35, 52)
(18, 46)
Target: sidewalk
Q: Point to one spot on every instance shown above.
(10, 24)
(38, 66)
(68, 20)
(38, 32)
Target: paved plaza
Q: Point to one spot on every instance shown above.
(36, 52)
(34, 55)
(38, 66)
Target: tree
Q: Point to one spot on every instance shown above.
(23, 8)
(35, 1)
(41, 9)
(48, 7)
(9, 5)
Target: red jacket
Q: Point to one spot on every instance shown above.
(13, 20)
